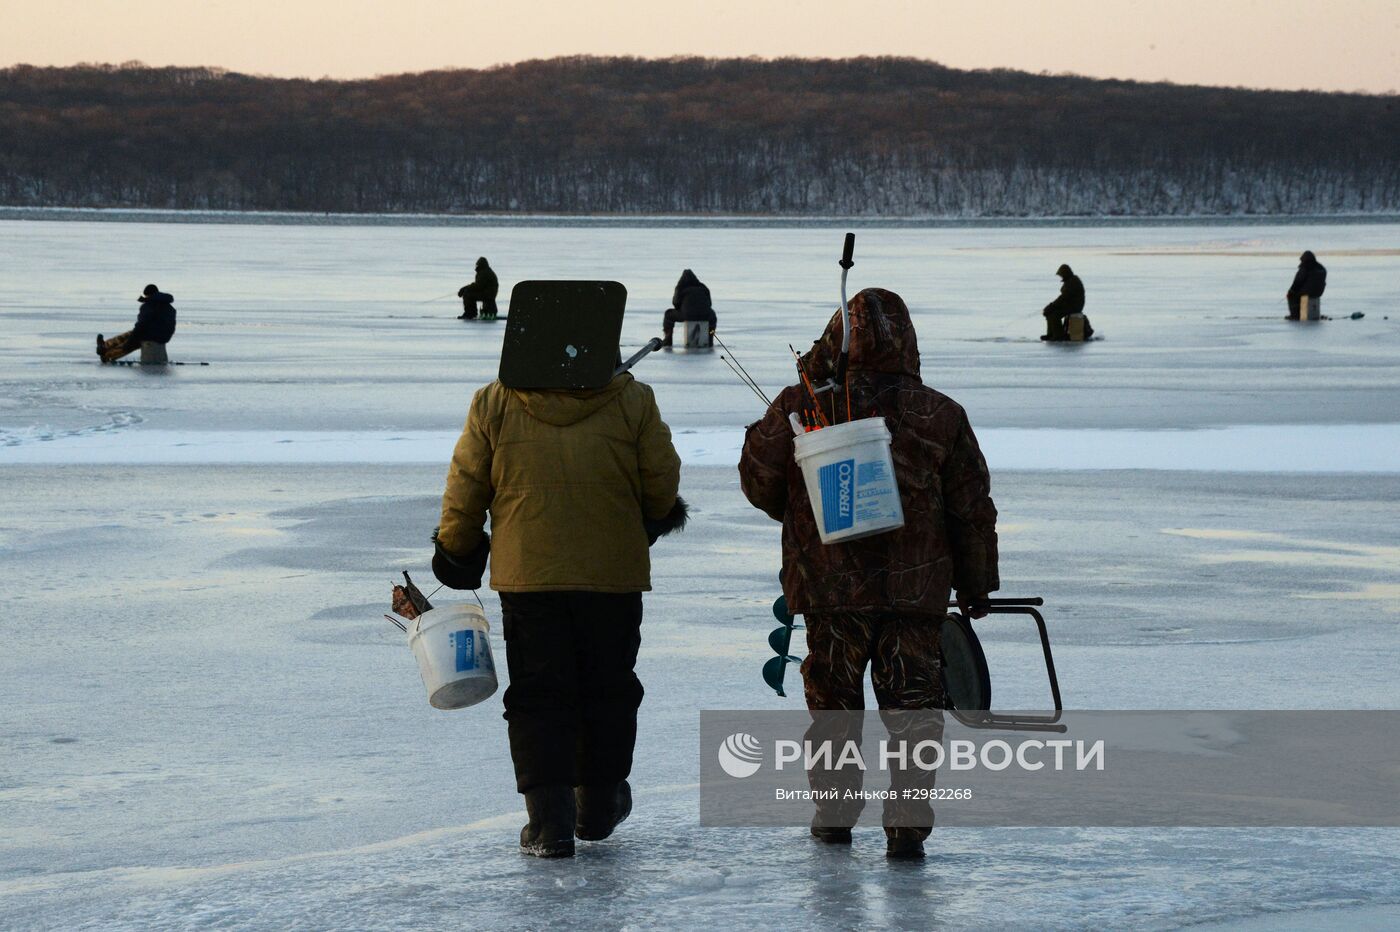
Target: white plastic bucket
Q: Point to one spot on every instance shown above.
(850, 479)
(453, 647)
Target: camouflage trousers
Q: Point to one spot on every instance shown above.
(118, 346)
(906, 672)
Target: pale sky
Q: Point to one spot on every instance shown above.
(1337, 45)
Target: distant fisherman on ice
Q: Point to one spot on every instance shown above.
(690, 301)
(1309, 282)
(1070, 302)
(482, 290)
(155, 323)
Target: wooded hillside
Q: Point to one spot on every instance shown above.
(590, 135)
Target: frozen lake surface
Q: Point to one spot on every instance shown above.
(338, 328)
(207, 723)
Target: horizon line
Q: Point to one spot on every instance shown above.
(220, 70)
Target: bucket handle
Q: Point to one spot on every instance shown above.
(404, 628)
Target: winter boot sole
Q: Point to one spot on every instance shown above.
(905, 854)
(560, 848)
(908, 845)
(832, 836)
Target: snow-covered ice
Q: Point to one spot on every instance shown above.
(206, 722)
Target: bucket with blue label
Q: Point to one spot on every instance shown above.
(453, 647)
(850, 479)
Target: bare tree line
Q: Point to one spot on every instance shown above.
(874, 136)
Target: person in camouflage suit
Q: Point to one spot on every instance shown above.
(879, 601)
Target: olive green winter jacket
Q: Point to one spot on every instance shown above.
(567, 477)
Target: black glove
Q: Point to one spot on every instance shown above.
(974, 606)
(673, 521)
(461, 572)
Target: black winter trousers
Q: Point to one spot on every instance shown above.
(573, 695)
(470, 299)
(672, 316)
(1055, 324)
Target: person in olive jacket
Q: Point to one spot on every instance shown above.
(578, 484)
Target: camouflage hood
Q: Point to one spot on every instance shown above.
(948, 540)
(882, 339)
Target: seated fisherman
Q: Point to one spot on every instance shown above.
(482, 290)
(691, 301)
(1311, 280)
(1070, 301)
(155, 323)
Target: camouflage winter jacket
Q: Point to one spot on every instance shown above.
(949, 536)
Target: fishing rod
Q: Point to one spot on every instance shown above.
(739, 370)
(811, 392)
(758, 392)
(450, 294)
(839, 379)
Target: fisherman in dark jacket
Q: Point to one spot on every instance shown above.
(482, 290)
(878, 601)
(1070, 301)
(155, 323)
(691, 301)
(1310, 281)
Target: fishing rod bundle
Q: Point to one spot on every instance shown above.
(846, 465)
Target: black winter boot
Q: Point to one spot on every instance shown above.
(601, 808)
(905, 844)
(832, 835)
(550, 833)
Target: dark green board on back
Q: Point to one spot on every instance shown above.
(562, 334)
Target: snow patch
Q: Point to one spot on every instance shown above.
(1312, 448)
